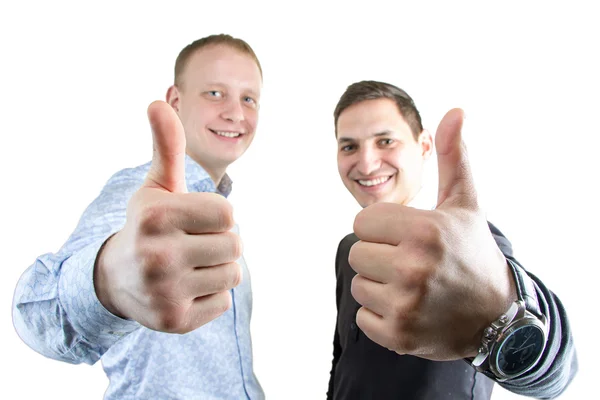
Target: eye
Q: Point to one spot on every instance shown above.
(250, 101)
(347, 148)
(215, 93)
(386, 142)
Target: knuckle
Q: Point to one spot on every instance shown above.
(354, 254)
(230, 277)
(397, 310)
(237, 246)
(165, 293)
(153, 219)
(155, 263)
(404, 343)
(236, 275)
(355, 288)
(401, 312)
(224, 214)
(171, 319)
(430, 238)
(416, 276)
(223, 303)
(431, 232)
(359, 222)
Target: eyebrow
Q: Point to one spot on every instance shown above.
(377, 134)
(248, 90)
(253, 93)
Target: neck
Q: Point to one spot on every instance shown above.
(215, 173)
(412, 198)
(422, 199)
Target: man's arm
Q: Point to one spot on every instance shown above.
(337, 348)
(169, 266)
(423, 272)
(558, 364)
(55, 308)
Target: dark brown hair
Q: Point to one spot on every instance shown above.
(372, 90)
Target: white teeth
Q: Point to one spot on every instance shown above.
(373, 182)
(228, 134)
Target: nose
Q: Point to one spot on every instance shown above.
(368, 161)
(233, 111)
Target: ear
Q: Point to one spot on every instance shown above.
(173, 97)
(426, 143)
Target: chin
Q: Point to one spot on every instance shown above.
(365, 202)
(234, 155)
(374, 200)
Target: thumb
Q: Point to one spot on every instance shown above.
(167, 170)
(456, 186)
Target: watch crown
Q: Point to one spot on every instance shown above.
(488, 333)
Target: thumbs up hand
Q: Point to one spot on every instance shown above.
(171, 266)
(430, 281)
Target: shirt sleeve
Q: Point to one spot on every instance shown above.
(55, 308)
(337, 349)
(558, 364)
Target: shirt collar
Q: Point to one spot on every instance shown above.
(225, 185)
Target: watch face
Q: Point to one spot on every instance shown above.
(520, 350)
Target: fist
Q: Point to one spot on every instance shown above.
(430, 281)
(172, 265)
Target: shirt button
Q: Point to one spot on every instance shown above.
(353, 326)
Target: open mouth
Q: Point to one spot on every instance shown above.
(375, 182)
(226, 134)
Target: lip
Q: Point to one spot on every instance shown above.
(225, 138)
(375, 188)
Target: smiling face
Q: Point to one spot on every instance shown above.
(379, 159)
(217, 100)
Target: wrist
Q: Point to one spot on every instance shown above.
(502, 294)
(514, 343)
(102, 284)
(509, 293)
(505, 291)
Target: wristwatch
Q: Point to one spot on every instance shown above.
(514, 343)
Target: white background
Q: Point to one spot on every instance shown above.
(76, 79)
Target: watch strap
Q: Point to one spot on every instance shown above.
(526, 290)
(528, 299)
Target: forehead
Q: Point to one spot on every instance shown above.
(366, 118)
(222, 65)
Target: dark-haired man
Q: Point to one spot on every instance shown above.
(431, 302)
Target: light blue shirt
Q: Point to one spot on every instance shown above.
(56, 312)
